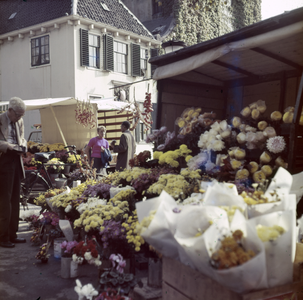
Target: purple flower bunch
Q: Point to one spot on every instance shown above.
(118, 262)
(100, 190)
(62, 155)
(156, 135)
(68, 246)
(50, 218)
(112, 230)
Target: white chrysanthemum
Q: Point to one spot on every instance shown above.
(216, 145)
(68, 208)
(88, 256)
(223, 125)
(276, 144)
(215, 127)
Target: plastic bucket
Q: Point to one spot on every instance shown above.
(60, 182)
(57, 247)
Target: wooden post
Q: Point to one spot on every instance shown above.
(64, 141)
(293, 130)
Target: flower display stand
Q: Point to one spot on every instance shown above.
(181, 282)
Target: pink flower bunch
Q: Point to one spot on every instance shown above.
(68, 246)
(50, 217)
(118, 262)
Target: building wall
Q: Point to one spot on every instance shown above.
(54, 80)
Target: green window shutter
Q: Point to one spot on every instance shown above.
(135, 65)
(108, 53)
(153, 53)
(84, 59)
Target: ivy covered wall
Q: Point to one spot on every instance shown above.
(201, 20)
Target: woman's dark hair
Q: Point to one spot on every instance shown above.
(126, 124)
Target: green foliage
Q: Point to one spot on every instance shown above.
(201, 20)
(111, 278)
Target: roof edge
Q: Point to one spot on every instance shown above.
(130, 12)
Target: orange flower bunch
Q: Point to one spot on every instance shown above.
(231, 253)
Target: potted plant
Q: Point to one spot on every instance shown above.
(115, 278)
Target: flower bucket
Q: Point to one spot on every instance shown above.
(53, 177)
(73, 269)
(154, 272)
(66, 169)
(60, 182)
(57, 247)
(65, 267)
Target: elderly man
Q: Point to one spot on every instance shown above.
(126, 148)
(12, 145)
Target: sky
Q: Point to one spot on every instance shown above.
(272, 8)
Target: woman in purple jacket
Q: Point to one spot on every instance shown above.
(97, 145)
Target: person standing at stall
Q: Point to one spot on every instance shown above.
(97, 145)
(126, 148)
(12, 145)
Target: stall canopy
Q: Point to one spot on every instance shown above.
(105, 104)
(102, 104)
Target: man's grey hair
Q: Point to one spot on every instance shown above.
(16, 104)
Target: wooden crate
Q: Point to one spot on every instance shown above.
(180, 282)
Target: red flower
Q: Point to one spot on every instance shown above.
(94, 253)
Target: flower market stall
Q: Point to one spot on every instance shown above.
(217, 202)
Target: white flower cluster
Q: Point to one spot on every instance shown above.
(90, 259)
(213, 139)
(91, 203)
(85, 292)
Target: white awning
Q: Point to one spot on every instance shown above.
(193, 62)
(103, 104)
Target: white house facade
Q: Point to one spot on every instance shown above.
(84, 53)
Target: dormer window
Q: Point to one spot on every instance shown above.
(104, 6)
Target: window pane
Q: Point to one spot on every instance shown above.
(37, 51)
(46, 49)
(42, 50)
(115, 46)
(90, 40)
(42, 41)
(37, 42)
(33, 52)
(33, 43)
(46, 40)
(35, 60)
(47, 57)
(42, 59)
(91, 51)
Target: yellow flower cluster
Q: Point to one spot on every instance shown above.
(267, 233)
(44, 147)
(189, 174)
(129, 175)
(31, 144)
(35, 162)
(175, 185)
(62, 200)
(55, 147)
(94, 217)
(132, 235)
(124, 195)
(170, 157)
(40, 200)
(72, 159)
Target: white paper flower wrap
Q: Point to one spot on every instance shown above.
(194, 219)
(248, 276)
(280, 253)
(160, 232)
(222, 194)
